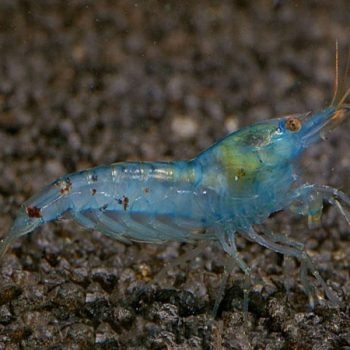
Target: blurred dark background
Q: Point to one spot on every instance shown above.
(84, 83)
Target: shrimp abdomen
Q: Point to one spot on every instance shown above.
(140, 201)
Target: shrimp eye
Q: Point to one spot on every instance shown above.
(293, 124)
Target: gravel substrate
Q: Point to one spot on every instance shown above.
(84, 83)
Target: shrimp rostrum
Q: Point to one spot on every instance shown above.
(227, 190)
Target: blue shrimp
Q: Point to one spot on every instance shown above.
(231, 188)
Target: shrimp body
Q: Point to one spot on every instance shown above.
(162, 201)
(226, 190)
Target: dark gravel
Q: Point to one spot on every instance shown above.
(84, 83)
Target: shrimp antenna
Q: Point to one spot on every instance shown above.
(336, 82)
(346, 76)
(341, 91)
(345, 96)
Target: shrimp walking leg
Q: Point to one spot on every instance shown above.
(341, 210)
(228, 243)
(278, 238)
(311, 197)
(229, 264)
(193, 253)
(289, 250)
